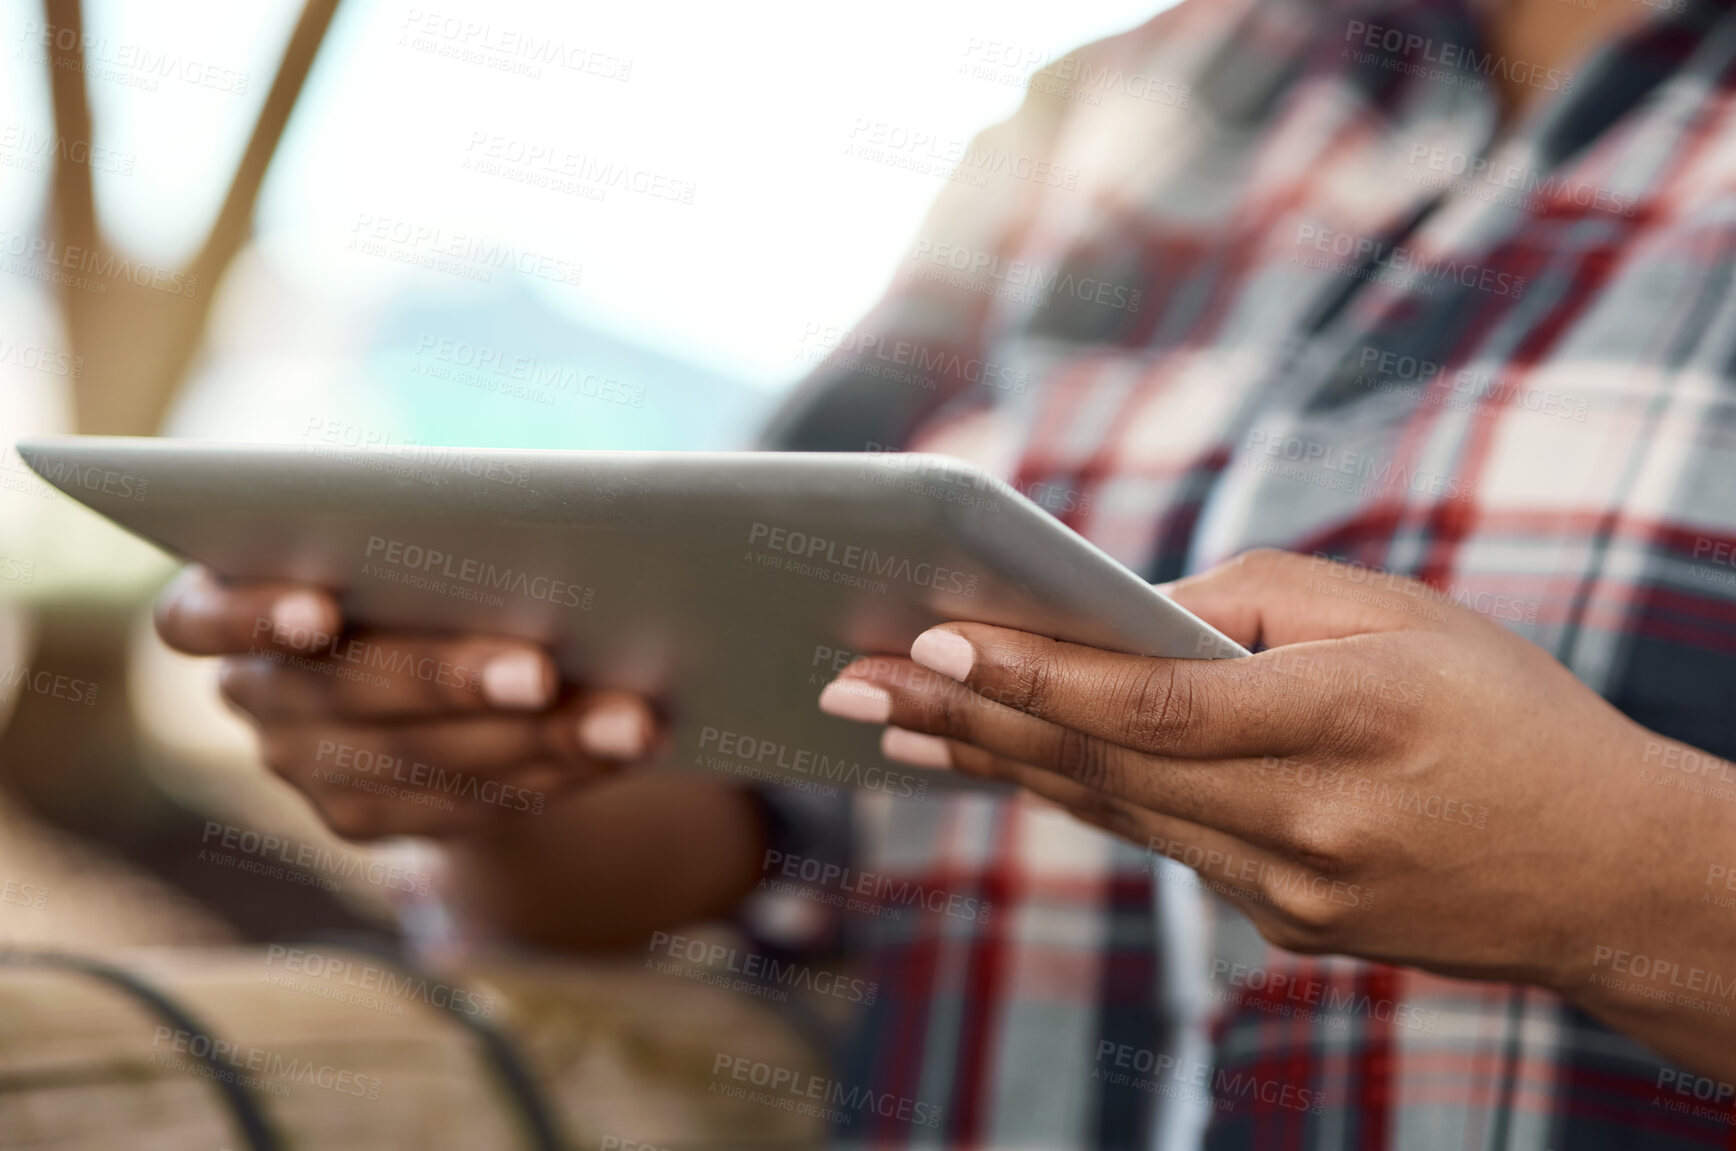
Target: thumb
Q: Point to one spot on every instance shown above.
(1271, 598)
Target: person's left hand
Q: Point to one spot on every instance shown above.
(1396, 777)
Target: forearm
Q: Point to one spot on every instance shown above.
(609, 864)
(1660, 964)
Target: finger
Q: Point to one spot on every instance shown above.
(1178, 708)
(1221, 794)
(381, 675)
(1272, 598)
(359, 806)
(1254, 879)
(200, 615)
(446, 753)
(617, 725)
(439, 777)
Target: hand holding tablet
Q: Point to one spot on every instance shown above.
(489, 711)
(725, 588)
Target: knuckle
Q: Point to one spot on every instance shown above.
(1264, 562)
(1161, 707)
(1306, 920)
(1313, 917)
(1265, 567)
(1109, 814)
(1293, 935)
(1356, 720)
(1026, 680)
(1083, 758)
(1323, 843)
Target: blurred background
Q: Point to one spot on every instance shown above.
(370, 222)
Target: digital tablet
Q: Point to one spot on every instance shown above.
(728, 586)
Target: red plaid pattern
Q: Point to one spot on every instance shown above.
(1312, 301)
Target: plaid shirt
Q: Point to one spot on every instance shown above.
(1268, 272)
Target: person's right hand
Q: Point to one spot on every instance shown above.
(392, 733)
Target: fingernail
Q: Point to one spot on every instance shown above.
(944, 651)
(856, 699)
(915, 748)
(1165, 589)
(516, 679)
(298, 619)
(613, 730)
